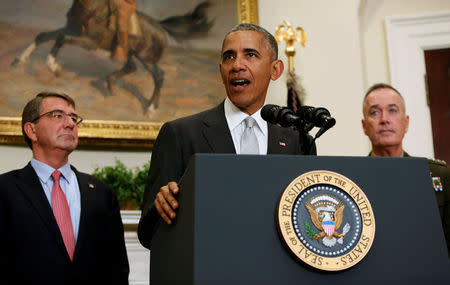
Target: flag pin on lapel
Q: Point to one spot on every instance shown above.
(91, 186)
(282, 143)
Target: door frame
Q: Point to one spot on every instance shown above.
(407, 38)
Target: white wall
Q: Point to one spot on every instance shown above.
(420, 25)
(374, 31)
(329, 66)
(345, 52)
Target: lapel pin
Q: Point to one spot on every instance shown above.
(91, 186)
(282, 143)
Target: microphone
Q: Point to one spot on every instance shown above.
(304, 119)
(318, 117)
(280, 115)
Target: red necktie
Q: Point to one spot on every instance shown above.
(62, 214)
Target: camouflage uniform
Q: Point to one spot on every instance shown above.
(441, 170)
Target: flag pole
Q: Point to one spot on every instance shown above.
(287, 33)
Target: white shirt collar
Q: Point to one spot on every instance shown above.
(235, 117)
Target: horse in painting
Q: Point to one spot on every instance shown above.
(88, 26)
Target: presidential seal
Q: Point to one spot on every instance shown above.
(326, 221)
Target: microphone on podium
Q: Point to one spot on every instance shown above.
(304, 119)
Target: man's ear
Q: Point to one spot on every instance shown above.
(30, 131)
(407, 123)
(364, 126)
(277, 69)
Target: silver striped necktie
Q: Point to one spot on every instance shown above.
(249, 142)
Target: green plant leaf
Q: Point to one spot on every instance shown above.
(128, 184)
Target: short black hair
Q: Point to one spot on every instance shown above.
(270, 39)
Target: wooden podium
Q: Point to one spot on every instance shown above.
(226, 232)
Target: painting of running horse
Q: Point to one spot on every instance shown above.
(171, 69)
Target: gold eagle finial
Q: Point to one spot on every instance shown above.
(287, 33)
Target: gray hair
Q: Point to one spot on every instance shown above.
(377, 86)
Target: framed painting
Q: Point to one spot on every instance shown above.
(171, 69)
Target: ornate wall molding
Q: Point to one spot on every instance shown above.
(248, 11)
(93, 133)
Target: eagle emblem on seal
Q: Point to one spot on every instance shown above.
(326, 213)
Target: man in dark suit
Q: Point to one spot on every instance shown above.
(385, 123)
(249, 61)
(58, 225)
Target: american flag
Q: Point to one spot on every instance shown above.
(295, 91)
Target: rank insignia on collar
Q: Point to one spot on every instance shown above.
(437, 185)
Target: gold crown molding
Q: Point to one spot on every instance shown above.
(248, 11)
(94, 133)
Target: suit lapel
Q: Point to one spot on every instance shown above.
(31, 187)
(216, 131)
(218, 136)
(279, 142)
(86, 190)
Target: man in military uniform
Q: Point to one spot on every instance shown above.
(386, 123)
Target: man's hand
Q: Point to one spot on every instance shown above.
(165, 202)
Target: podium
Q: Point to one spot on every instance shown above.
(226, 232)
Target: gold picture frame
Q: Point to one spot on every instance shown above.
(122, 134)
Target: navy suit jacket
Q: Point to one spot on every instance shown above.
(32, 249)
(205, 132)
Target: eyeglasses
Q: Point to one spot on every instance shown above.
(59, 115)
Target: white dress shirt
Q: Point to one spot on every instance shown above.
(235, 119)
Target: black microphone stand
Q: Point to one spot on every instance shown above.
(303, 128)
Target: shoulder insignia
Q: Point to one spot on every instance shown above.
(437, 185)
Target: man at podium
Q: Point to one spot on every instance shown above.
(249, 61)
(385, 123)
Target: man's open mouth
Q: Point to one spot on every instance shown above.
(240, 82)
